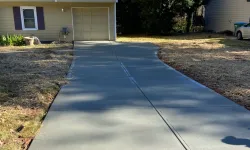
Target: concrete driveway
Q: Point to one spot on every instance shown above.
(122, 97)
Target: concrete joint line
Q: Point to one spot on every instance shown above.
(176, 134)
(125, 69)
(69, 75)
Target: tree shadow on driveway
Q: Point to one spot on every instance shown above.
(236, 141)
(115, 109)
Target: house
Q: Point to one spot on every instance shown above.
(220, 15)
(84, 19)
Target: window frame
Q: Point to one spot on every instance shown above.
(35, 17)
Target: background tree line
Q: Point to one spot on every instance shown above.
(157, 17)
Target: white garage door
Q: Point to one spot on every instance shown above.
(90, 24)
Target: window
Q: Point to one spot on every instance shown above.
(29, 18)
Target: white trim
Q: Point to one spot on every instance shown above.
(72, 16)
(108, 24)
(115, 30)
(22, 17)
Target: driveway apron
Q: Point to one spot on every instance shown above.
(121, 96)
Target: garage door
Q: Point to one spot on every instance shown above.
(90, 24)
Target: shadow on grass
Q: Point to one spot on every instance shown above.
(236, 43)
(187, 36)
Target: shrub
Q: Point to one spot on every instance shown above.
(197, 28)
(180, 24)
(12, 40)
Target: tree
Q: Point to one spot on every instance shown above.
(128, 17)
(158, 15)
(190, 7)
(153, 16)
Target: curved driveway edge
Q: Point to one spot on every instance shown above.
(121, 96)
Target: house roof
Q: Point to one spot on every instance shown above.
(88, 1)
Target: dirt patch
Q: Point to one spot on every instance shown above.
(218, 62)
(30, 77)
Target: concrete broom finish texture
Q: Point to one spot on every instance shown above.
(121, 96)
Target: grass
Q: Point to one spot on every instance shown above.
(30, 78)
(219, 62)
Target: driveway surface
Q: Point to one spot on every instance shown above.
(122, 97)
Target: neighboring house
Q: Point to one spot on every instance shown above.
(221, 15)
(85, 19)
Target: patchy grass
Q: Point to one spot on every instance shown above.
(30, 77)
(217, 61)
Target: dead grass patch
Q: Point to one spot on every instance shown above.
(30, 77)
(217, 61)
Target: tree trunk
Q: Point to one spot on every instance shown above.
(189, 20)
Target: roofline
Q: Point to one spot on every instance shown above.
(78, 1)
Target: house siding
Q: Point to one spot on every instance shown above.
(221, 15)
(54, 19)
